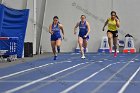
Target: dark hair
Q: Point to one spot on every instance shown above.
(117, 17)
(55, 17)
(83, 15)
(115, 14)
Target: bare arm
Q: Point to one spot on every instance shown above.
(88, 27)
(105, 24)
(62, 29)
(76, 27)
(50, 29)
(117, 23)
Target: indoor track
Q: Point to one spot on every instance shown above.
(98, 73)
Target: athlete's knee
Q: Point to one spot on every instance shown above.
(109, 35)
(53, 47)
(80, 42)
(85, 44)
(115, 45)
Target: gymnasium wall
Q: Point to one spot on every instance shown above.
(97, 11)
(69, 12)
(130, 19)
(17, 4)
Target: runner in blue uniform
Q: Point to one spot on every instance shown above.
(55, 30)
(84, 29)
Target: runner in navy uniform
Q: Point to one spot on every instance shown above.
(84, 29)
(54, 30)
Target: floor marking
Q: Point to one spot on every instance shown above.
(64, 75)
(128, 82)
(106, 81)
(100, 61)
(20, 72)
(82, 81)
(41, 79)
(59, 78)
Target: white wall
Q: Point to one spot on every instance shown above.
(17, 4)
(69, 12)
(98, 11)
(128, 11)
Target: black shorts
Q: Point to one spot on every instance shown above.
(115, 33)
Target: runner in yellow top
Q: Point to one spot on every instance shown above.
(112, 33)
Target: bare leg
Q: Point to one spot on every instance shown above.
(58, 44)
(53, 44)
(85, 43)
(80, 41)
(110, 37)
(115, 40)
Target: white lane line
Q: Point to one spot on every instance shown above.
(106, 81)
(68, 81)
(27, 81)
(41, 79)
(57, 80)
(91, 76)
(20, 72)
(128, 82)
(82, 81)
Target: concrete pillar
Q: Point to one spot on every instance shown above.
(40, 24)
(1, 1)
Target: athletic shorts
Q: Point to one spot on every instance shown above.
(55, 37)
(82, 36)
(115, 33)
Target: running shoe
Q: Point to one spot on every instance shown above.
(110, 50)
(115, 54)
(83, 57)
(55, 57)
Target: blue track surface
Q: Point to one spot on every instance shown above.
(98, 73)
